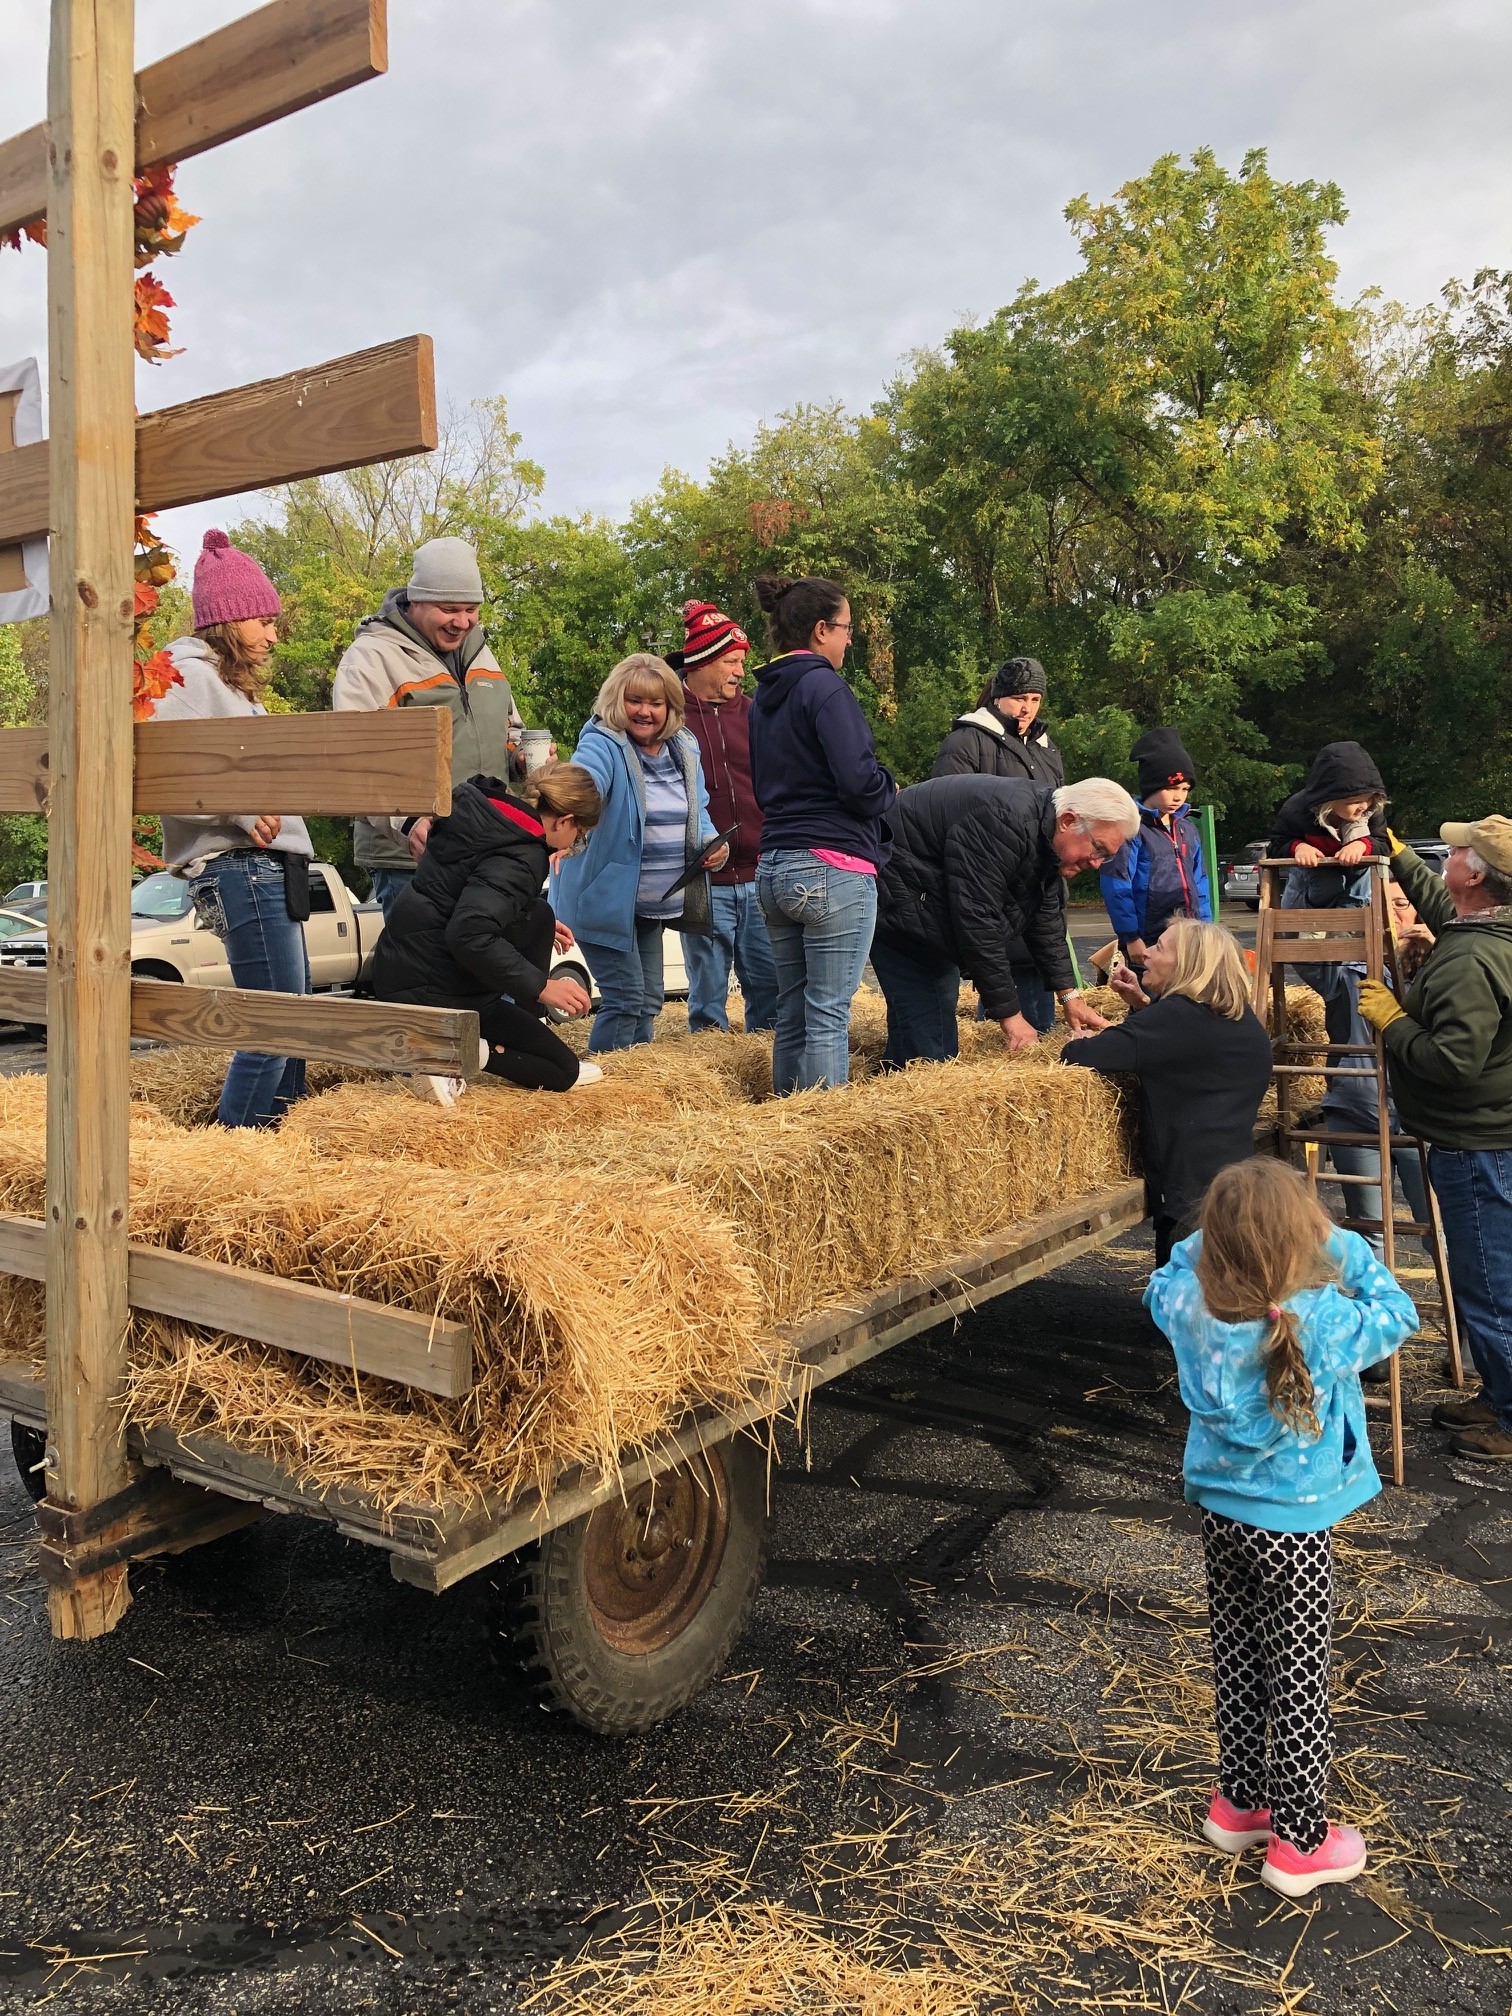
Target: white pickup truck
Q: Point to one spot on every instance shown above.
(168, 942)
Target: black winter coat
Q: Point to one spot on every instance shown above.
(449, 942)
(983, 744)
(1340, 770)
(1201, 1080)
(972, 869)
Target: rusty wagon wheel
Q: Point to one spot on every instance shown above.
(621, 1617)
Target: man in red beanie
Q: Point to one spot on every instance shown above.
(712, 665)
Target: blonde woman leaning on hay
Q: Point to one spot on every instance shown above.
(249, 872)
(655, 819)
(1203, 1062)
(473, 930)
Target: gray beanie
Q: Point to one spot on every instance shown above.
(446, 570)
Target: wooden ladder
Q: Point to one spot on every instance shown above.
(1362, 935)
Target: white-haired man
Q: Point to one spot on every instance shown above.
(977, 863)
(424, 648)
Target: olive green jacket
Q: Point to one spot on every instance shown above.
(1449, 1056)
(390, 664)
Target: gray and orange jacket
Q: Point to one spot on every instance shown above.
(390, 664)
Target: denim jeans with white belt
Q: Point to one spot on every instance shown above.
(240, 897)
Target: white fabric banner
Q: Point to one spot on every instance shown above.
(26, 426)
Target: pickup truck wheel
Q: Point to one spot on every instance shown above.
(29, 1446)
(621, 1617)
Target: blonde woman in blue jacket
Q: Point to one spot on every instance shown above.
(1272, 1311)
(655, 820)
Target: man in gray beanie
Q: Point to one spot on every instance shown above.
(425, 648)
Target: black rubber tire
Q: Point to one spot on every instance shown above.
(568, 1662)
(29, 1446)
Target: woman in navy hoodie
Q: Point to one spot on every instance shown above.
(822, 795)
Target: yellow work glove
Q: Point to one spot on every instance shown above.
(1378, 1005)
(1396, 845)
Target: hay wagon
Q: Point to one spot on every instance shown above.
(633, 1580)
(627, 1592)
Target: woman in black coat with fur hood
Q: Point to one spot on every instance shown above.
(474, 931)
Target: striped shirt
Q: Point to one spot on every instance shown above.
(664, 854)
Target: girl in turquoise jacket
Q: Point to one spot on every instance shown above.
(1271, 1312)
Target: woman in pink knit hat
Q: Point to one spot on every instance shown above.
(249, 872)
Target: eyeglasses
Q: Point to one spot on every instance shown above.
(1101, 855)
(847, 627)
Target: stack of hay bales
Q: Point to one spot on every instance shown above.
(623, 1253)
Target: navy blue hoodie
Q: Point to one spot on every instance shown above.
(813, 762)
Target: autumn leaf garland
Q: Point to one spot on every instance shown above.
(159, 227)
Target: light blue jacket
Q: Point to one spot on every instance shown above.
(1241, 1459)
(594, 894)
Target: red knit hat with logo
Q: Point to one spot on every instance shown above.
(707, 634)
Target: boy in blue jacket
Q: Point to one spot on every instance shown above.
(1160, 874)
(1271, 1312)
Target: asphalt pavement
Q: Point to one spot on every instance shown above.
(289, 1783)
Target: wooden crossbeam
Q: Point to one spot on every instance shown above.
(369, 407)
(334, 1029)
(246, 75)
(337, 765)
(413, 1349)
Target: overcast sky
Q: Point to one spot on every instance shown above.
(653, 223)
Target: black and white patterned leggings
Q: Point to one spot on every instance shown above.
(1270, 1608)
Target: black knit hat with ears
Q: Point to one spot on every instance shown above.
(1162, 760)
(1016, 675)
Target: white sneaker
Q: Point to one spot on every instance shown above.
(588, 1074)
(434, 1091)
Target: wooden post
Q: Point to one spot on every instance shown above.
(91, 155)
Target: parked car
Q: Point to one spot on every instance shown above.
(16, 923)
(674, 970)
(168, 941)
(1434, 852)
(1242, 882)
(25, 892)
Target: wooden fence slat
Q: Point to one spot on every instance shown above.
(413, 1349)
(256, 70)
(374, 1035)
(369, 407)
(341, 765)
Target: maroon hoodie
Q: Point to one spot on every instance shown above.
(723, 732)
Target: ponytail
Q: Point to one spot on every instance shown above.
(1264, 1239)
(793, 607)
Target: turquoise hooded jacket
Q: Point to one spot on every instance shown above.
(1241, 1459)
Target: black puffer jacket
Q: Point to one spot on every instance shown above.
(983, 744)
(448, 943)
(972, 869)
(1339, 770)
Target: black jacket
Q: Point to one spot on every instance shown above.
(973, 868)
(1340, 770)
(1201, 1080)
(448, 943)
(983, 744)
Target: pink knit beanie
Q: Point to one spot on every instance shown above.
(229, 586)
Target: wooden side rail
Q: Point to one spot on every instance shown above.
(373, 1035)
(413, 1349)
(339, 765)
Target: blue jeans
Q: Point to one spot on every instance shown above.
(631, 989)
(820, 922)
(1474, 1190)
(241, 898)
(1328, 889)
(389, 884)
(921, 1006)
(738, 938)
(1361, 1200)
(1036, 1002)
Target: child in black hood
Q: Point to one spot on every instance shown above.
(1335, 822)
(1332, 828)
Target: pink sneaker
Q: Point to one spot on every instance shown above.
(1228, 1827)
(1339, 1860)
